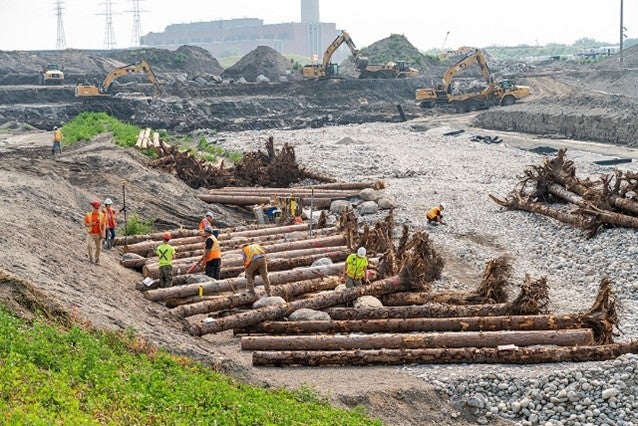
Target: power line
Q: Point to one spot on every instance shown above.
(60, 43)
(109, 34)
(137, 26)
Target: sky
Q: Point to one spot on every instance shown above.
(449, 24)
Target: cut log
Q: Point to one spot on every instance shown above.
(234, 284)
(429, 310)
(405, 325)
(233, 266)
(321, 301)
(488, 339)
(287, 291)
(285, 192)
(379, 184)
(536, 355)
(239, 200)
(179, 233)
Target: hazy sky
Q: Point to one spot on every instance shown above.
(32, 24)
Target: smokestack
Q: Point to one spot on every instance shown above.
(309, 11)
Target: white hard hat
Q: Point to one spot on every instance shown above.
(442, 205)
(108, 201)
(209, 214)
(361, 252)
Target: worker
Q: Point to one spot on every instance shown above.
(96, 226)
(435, 215)
(206, 222)
(57, 140)
(109, 216)
(212, 257)
(255, 263)
(355, 271)
(165, 252)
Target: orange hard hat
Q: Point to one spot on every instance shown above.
(166, 236)
(96, 204)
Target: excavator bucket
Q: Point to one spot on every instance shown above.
(361, 62)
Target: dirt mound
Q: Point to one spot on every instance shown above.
(192, 60)
(19, 67)
(394, 48)
(261, 61)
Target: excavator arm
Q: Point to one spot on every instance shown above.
(142, 66)
(327, 68)
(474, 56)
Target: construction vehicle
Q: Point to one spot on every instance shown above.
(504, 92)
(329, 69)
(52, 74)
(398, 69)
(95, 91)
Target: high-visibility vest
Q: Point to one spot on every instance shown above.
(204, 223)
(250, 251)
(57, 135)
(96, 222)
(215, 251)
(109, 214)
(433, 212)
(165, 252)
(355, 266)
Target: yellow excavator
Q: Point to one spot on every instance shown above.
(502, 93)
(398, 69)
(93, 91)
(52, 74)
(329, 69)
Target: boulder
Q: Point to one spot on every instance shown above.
(305, 314)
(340, 206)
(367, 302)
(387, 202)
(368, 207)
(322, 262)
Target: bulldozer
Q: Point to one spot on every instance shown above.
(329, 69)
(52, 74)
(96, 91)
(398, 69)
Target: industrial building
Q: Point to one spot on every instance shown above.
(237, 37)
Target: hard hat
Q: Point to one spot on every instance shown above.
(361, 252)
(166, 236)
(96, 204)
(208, 229)
(209, 214)
(55, 127)
(216, 233)
(108, 201)
(442, 205)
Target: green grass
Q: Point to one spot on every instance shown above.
(137, 226)
(78, 377)
(90, 124)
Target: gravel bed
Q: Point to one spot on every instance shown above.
(423, 167)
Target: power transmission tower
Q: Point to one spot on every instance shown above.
(109, 35)
(137, 26)
(60, 43)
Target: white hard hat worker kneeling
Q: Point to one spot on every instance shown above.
(355, 272)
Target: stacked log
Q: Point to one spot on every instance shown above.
(609, 200)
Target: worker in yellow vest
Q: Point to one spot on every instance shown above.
(57, 140)
(95, 224)
(165, 252)
(212, 257)
(435, 215)
(356, 270)
(255, 263)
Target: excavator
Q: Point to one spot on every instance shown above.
(503, 93)
(398, 69)
(93, 91)
(329, 69)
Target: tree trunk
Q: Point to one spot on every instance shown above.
(518, 203)
(287, 291)
(624, 204)
(536, 355)
(241, 200)
(234, 284)
(379, 184)
(255, 316)
(181, 233)
(566, 195)
(429, 310)
(488, 339)
(405, 325)
(421, 298)
(286, 192)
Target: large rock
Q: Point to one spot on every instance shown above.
(387, 202)
(368, 207)
(367, 302)
(305, 314)
(340, 206)
(268, 301)
(322, 262)
(369, 194)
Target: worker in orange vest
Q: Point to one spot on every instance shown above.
(206, 222)
(212, 257)
(109, 216)
(255, 263)
(435, 215)
(95, 224)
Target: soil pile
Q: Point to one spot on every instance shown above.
(191, 60)
(391, 49)
(261, 61)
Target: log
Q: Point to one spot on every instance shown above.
(488, 339)
(287, 291)
(233, 265)
(536, 355)
(234, 284)
(405, 325)
(178, 233)
(246, 319)
(379, 184)
(285, 192)
(429, 310)
(239, 200)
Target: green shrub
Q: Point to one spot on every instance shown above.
(79, 377)
(90, 124)
(135, 226)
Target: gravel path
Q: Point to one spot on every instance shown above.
(423, 167)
